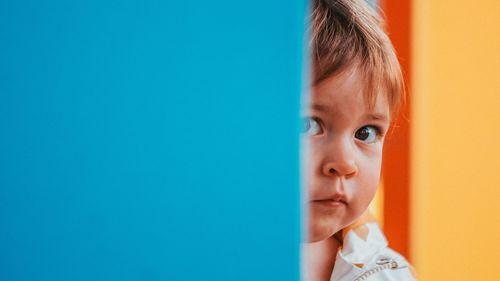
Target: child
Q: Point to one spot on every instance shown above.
(356, 89)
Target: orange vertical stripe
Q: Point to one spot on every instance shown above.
(396, 167)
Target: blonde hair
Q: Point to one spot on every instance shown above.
(348, 33)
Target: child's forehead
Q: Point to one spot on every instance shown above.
(346, 91)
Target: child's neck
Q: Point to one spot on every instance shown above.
(320, 259)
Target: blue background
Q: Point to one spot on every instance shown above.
(150, 140)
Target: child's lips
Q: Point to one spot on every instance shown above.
(336, 201)
(330, 203)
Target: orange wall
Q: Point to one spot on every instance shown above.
(397, 148)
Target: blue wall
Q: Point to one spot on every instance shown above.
(149, 140)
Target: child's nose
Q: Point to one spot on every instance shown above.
(340, 161)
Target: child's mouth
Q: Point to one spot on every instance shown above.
(330, 203)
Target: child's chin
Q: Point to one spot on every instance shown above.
(318, 232)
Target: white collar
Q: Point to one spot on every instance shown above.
(360, 247)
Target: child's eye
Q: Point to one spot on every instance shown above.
(367, 134)
(311, 127)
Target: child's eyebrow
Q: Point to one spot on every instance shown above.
(377, 117)
(320, 107)
(370, 116)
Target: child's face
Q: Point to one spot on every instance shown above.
(344, 153)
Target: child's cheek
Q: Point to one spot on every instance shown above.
(368, 181)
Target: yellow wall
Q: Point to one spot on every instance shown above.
(456, 139)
